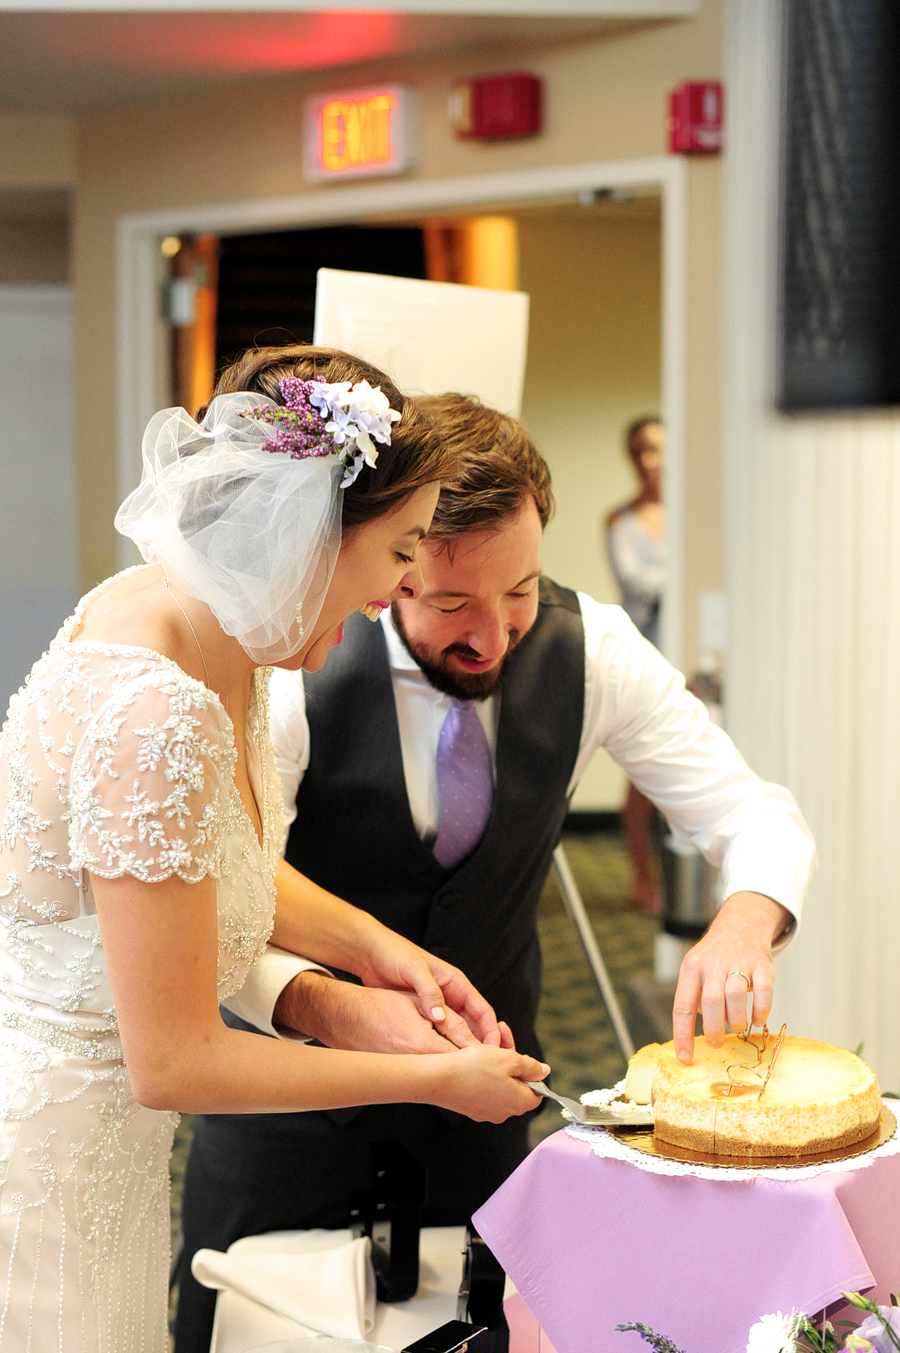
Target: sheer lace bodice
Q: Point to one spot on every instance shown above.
(112, 762)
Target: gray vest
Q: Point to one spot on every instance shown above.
(354, 833)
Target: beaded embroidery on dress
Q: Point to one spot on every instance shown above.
(112, 761)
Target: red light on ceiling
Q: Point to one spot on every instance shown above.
(696, 111)
(358, 134)
(498, 107)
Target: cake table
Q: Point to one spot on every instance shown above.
(594, 1236)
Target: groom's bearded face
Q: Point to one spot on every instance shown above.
(480, 598)
(441, 671)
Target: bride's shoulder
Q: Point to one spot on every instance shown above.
(151, 778)
(122, 611)
(150, 717)
(157, 691)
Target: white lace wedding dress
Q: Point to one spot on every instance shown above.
(112, 761)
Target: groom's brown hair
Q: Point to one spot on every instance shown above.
(498, 468)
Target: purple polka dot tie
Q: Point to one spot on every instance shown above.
(465, 784)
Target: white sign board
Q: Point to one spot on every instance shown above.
(430, 337)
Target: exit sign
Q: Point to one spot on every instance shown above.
(359, 133)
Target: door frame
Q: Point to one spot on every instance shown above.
(141, 349)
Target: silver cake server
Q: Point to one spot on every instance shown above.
(595, 1115)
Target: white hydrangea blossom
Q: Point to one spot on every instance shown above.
(358, 413)
(775, 1333)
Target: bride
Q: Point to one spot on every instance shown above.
(141, 832)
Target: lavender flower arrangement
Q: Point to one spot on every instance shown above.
(322, 419)
(796, 1333)
(656, 1341)
(300, 426)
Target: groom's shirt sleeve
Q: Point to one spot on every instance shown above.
(256, 1000)
(637, 707)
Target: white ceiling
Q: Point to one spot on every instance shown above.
(57, 61)
(632, 9)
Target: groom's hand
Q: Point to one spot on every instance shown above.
(364, 1019)
(732, 961)
(315, 923)
(444, 994)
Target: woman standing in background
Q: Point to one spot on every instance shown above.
(636, 541)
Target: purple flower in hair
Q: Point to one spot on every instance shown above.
(322, 419)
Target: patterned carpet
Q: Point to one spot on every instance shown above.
(578, 1039)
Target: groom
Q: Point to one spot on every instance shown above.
(428, 770)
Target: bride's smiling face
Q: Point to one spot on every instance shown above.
(377, 564)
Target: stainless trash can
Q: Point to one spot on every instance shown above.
(691, 891)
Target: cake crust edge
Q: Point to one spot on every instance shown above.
(707, 1141)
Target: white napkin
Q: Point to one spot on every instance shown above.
(327, 1291)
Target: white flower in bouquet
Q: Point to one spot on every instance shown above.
(775, 1333)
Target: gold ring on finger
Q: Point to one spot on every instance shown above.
(736, 972)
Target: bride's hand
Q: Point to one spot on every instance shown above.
(444, 994)
(364, 1019)
(485, 1083)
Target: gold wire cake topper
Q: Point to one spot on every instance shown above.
(747, 1037)
(775, 1051)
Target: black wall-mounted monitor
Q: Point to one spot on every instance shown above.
(840, 213)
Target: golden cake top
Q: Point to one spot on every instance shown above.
(806, 1071)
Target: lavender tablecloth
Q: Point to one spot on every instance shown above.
(591, 1243)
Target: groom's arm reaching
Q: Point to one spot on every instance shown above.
(636, 705)
(410, 1001)
(291, 997)
(260, 1000)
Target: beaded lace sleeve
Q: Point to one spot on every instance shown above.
(149, 782)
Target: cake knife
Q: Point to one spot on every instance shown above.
(596, 1115)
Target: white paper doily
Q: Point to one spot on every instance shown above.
(608, 1147)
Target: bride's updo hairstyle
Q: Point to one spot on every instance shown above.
(245, 507)
(416, 455)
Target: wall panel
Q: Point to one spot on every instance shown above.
(813, 559)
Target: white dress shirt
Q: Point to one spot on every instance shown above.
(636, 706)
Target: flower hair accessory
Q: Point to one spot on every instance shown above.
(322, 419)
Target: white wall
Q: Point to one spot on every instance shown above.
(593, 365)
(813, 556)
(33, 249)
(38, 566)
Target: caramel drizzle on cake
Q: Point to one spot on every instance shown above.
(741, 1086)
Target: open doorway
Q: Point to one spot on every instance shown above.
(592, 270)
(232, 292)
(593, 274)
(143, 348)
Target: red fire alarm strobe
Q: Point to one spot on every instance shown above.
(498, 107)
(695, 118)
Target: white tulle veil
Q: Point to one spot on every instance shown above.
(253, 535)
